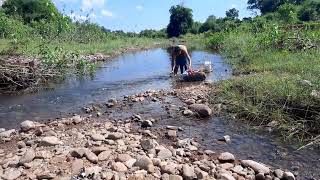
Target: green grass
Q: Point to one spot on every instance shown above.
(274, 85)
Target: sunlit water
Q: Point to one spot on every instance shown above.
(124, 75)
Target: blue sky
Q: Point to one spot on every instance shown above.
(136, 15)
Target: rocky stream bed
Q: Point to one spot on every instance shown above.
(109, 141)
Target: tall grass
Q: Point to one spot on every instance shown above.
(279, 82)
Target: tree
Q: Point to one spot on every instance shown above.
(287, 13)
(31, 10)
(266, 6)
(181, 21)
(310, 11)
(195, 27)
(211, 24)
(232, 13)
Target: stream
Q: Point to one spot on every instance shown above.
(140, 71)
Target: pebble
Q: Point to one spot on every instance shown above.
(50, 141)
(201, 109)
(146, 124)
(123, 157)
(172, 134)
(91, 157)
(288, 176)
(188, 172)
(115, 136)
(77, 166)
(164, 154)
(145, 163)
(27, 157)
(11, 174)
(105, 155)
(119, 167)
(226, 157)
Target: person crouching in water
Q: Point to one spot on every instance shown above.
(181, 59)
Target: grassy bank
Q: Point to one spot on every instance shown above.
(279, 83)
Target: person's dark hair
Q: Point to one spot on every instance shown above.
(177, 49)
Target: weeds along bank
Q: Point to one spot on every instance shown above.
(278, 83)
(37, 52)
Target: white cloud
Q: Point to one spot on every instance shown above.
(139, 7)
(107, 13)
(234, 5)
(1, 2)
(91, 4)
(79, 17)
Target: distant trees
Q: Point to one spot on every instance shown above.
(232, 13)
(266, 6)
(181, 21)
(310, 11)
(31, 10)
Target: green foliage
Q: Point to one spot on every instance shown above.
(31, 10)
(12, 28)
(288, 13)
(310, 11)
(215, 41)
(181, 21)
(232, 13)
(153, 33)
(266, 6)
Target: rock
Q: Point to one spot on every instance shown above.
(93, 171)
(201, 174)
(100, 149)
(226, 157)
(226, 139)
(115, 136)
(190, 101)
(187, 112)
(91, 157)
(175, 177)
(130, 163)
(279, 173)
(226, 166)
(7, 134)
(119, 167)
(45, 175)
(209, 152)
(188, 172)
(50, 141)
(77, 119)
(257, 167)
(21, 144)
(145, 163)
(226, 176)
(27, 157)
(288, 176)
(11, 174)
(260, 176)
(123, 157)
(172, 134)
(180, 152)
(78, 153)
(201, 109)
(105, 155)
(97, 137)
(2, 130)
(164, 154)
(148, 144)
(169, 168)
(77, 166)
(146, 124)
(27, 125)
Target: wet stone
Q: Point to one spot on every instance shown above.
(226, 157)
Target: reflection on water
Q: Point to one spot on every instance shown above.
(126, 74)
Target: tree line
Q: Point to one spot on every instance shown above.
(43, 17)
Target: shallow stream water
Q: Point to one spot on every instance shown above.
(137, 72)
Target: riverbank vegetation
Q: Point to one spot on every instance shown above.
(35, 36)
(276, 59)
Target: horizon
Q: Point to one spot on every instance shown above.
(138, 15)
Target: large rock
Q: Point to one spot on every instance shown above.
(7, 134)
(257, 167)
(27, 157)
(97, 137)
(123, 157)
(27, 125)
(226, 157)
(146, 124)
(201, 109)
(145, 163)
(188, 172)
(50, 141)
(11, 174)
